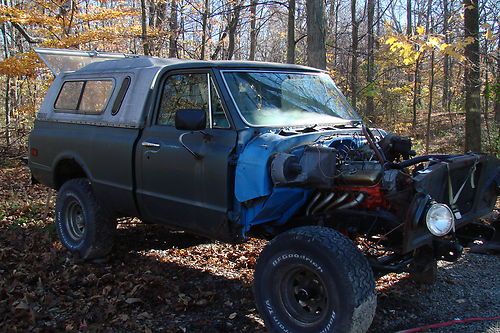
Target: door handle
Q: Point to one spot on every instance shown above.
(150, 144)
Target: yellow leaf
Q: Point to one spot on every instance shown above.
(489, 35)
(390, 40)
(407, 61)
(407, 47)
(420, 30)
(455, 55)
(443, 47)
(434, 41)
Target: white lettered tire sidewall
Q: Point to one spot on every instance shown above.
(351, 304)
(65, 197)
(273, 274)
(100, 226)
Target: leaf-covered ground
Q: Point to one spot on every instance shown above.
(163, 281)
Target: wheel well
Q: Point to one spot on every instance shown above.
(65, 170)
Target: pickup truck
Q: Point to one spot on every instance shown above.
(234, 149)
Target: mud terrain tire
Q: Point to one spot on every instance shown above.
(83, 226)
(313, 279)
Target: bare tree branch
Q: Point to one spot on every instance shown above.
(26, 35)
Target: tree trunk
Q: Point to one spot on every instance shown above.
(446, 58)
(378, 22)
(290, 44)
(7, 88)
(428, 17)
(204, 27)
(152, 14)
(316, 33)
(487, 87)
(416, 93)
(7, 111)
(409, 31)
(161, 12)
(336, 33)
(472, 78)
(486, 94)
(253, 29)
(222, 37)
(144, 31)
(429, 111)
(174, 27)
(497, 90)
(233, 27)
(409, 27)
(370, 75)
(354, 54)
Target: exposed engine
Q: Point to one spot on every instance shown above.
(396, 147)
(371, 188)
(345, 176)
(314, 166)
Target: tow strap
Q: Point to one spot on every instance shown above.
(454, 198)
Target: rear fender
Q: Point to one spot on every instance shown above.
(69, 156)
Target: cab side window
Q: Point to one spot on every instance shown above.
(190, 91)
(184, 91)
(219, 119)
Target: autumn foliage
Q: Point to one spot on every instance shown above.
(388, 78)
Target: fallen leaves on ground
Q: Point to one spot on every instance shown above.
(156, 280)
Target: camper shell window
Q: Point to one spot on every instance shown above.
(121, 95)
(84, 96)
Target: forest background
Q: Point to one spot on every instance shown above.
(429, 69)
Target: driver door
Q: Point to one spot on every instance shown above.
(175, 187)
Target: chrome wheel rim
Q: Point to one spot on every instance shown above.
(74, 220)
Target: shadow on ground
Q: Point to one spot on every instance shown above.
(163, 281)
(465, 289)
(149, 283)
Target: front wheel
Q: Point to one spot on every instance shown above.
(313, 279)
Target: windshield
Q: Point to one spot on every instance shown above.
(288, 99)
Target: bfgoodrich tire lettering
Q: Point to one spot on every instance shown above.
(313, 279)
(82, 224)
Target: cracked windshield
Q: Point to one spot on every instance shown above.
(288, 99)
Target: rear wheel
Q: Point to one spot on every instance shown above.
(313, 279)
(82, 224)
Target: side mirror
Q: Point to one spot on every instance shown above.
(190, 119)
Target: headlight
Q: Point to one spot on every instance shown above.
(439, 219)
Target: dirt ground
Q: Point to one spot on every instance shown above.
(163, 281)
